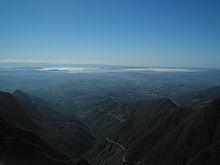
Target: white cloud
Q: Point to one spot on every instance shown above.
(161, 69)
(69, 69)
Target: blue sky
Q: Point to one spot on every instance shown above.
(182, 33)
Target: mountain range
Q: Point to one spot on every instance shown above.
(161, 133)
(153, 132)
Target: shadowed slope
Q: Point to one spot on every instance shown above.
(12, 109)
(162, 133)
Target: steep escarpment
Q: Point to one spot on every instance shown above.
(107, 116)
(20, 144)
(21, 147)
(65, 133)
(11, 109)
(162, 133)
(27, 105)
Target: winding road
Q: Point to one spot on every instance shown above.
(110, 114)
(116, 143)
(125, 152)
(116, 117)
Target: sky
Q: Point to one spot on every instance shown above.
(179, 33)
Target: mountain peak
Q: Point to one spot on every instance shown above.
(167, 100)
(19, 92)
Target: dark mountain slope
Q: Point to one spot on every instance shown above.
(161, 133)
(19, 146)
(65, 133)
(69, 136)
(36, 107)
(10, 108)
(27, 105)
(107, 116)
(44, 108)
(199, 133)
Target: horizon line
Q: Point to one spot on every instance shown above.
(90, 62)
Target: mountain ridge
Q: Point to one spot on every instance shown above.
(170, 134)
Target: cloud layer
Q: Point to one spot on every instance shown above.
(161, 69)
(100, 69)
(69, 69)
